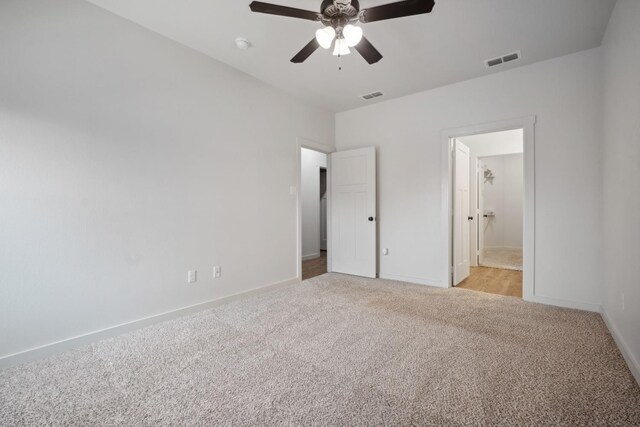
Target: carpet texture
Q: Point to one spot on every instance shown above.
(505, 258)
(339, 350)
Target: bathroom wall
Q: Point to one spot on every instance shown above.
(503, 195)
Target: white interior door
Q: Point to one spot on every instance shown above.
(481, 219)
(460, 212)
(353, 212)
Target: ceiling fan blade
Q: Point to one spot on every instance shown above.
(368, 52)
(397, 10)
(306, 52)
(292, 12)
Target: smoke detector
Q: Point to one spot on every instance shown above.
(242, 43)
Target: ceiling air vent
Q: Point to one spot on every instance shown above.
(372, 95)
(510, 57)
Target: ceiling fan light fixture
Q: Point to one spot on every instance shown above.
(352, 35)
(341, 48)
(325, 36)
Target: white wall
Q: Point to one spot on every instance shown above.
(127, 159)
(621, 174)
(310, 161)
(503, 195)
(564, 94)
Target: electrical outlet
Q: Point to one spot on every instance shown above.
(217, 271)
(192, 276)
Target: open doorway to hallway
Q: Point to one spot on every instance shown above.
(313, 194)
(488, 192)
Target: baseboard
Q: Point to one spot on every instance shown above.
(578, 305)
(410, 279)
(73, 342)
(632, 362)
(310, 256)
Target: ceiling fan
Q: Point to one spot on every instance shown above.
(339, 18)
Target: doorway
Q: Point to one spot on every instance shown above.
(313, 200)
(337, 229)
(489, 200)
(492, 186)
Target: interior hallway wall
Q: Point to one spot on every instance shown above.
(324, 216)
(126, 160)
(311, 161)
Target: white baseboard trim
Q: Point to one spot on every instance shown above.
(410, 279)
(112, 331)
(632, 362)
(578, 305)
(310, 256)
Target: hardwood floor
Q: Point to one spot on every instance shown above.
(494, 281)
(314, 267)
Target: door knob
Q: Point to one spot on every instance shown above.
(470, 218)
(370, 218)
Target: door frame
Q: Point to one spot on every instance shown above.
(527, 124)
(322, 148)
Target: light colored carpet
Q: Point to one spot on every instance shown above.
(339, 350)
(505, 258)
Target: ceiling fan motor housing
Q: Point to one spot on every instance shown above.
(339, 14)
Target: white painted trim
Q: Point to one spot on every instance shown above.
(310, 256)
(415, 280)
(112, 331)
(577, 305)
(632, 362)
(528, 126)
(322, 148)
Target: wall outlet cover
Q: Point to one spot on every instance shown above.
(192, 276)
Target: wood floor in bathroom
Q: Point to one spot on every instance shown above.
(494, 281)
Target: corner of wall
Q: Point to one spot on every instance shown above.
(632, 362)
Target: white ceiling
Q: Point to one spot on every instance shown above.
(420, 52)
